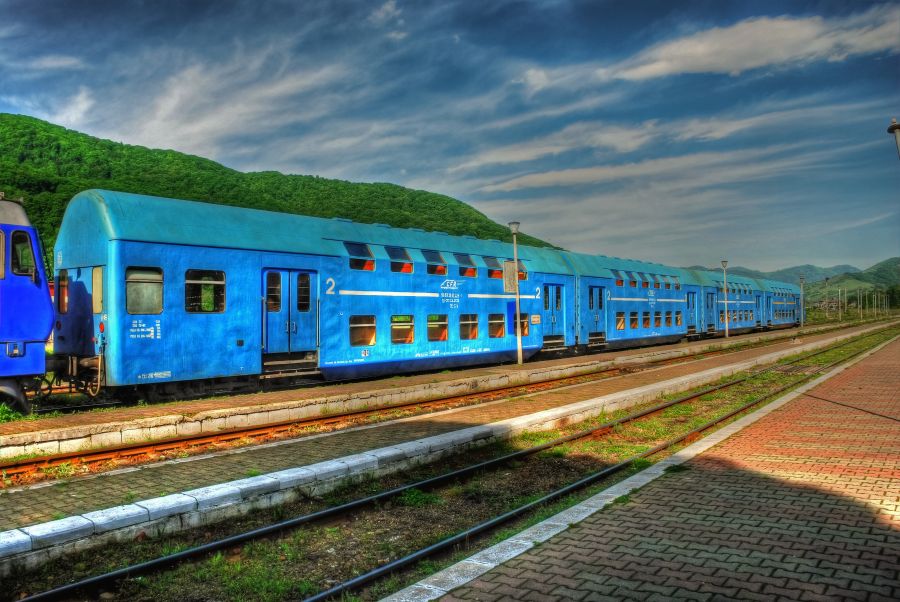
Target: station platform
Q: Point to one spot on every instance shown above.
(801, 501)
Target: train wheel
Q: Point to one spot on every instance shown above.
(13, 396)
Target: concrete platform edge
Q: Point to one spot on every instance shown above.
(461, 573)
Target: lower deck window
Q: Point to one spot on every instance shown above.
(437, 327)
(657, 319)
(62, 292)
(646, 319)
(620, 320)
(468, 327)
(143, 290)
(523, 320)
(362, 330)
(402, 330)
(668, 318)
(677, 318)
(496, 326)
(204, 291)
(634, 320)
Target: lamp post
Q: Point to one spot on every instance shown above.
(826, 298)
(840, 307)
(725, 287)
(514, 228)
(802, 306)
(894, 129)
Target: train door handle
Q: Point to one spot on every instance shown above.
(294, 327)
(287, 327)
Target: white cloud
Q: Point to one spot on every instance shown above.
(385, 13)
(74, 112)
(55, 61)
(397, 35)
(766, 42)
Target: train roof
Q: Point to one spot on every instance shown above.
(13, 213)
(114, 215)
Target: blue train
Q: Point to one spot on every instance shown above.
(172, 298)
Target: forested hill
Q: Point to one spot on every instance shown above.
(48, 164)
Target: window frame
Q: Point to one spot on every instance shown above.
(162, 291)
(496, 326)
(398, 326)
(494, 268)
(466, 265)
(373, 325)
(14, 257)
(401, 262)
(361, 258)
(197, 281)
(436, 265)
(305, 300)
(62, 292)
(441, 320)
(466, 319)
(97, 287)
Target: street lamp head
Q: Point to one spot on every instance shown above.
(514, 227)
(724, 263)
(802, 279)
(894, 130)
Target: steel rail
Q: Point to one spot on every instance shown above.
(138, 449)
(240, 538)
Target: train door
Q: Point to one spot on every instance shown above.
(691, 313)
(596, 317)
(291, 311)
(759, 310)
(769, 310)
(552, 317)
(711, 311)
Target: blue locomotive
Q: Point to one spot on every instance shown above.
(174, 298)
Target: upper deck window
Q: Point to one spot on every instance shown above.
(632, 280)
(523, 274)
(435, 263)
(495, 270)
(655, 280)
(144, 290)
(620, 279)
(677, 283)
(466, 265)
(204, 291)
(645, 282)
(666, 281)
(22, 260)
(400, 260)
(361, 257)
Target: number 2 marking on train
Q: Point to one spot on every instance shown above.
(330, 290)
(537, 293)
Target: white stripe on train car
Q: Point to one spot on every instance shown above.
(386, 293)
(489, 296)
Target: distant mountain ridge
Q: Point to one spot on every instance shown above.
(48, 164)
(811, 273)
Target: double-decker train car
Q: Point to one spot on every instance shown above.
(175, 298)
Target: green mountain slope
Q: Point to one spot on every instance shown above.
(883, 277)
(48, 164)
(812, 273)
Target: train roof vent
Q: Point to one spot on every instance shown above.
(416, 229)
(469, 236)
(342, 219)
(491, 240)
(381, 225)
(439, 232)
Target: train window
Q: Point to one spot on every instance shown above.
(595, 297)
(436, 264)
(361, 257)
(496, 326)
(400, 260)
(22, 259)
(668, 318)
(62, 292)
(546, 297)
(468, 327)
(646, 321)
(620, 320)
(362, 331)
(558, 297)
(678, 318)
(466, 265)
(632, 281)
(656, 283)
(591, 298)
(143, 290)
(722, 316)
(734, 316)
(97, 290)
(645, 282)
(751, 314)
(402, 330)
(620, 280)
(438, 327)
(303, 292)
(523, 274)
(523, 320)
(495, 270)
(677, 283)
(666, 280)
(657, 319)
(204, 291)
(633, 320)
(273, 291)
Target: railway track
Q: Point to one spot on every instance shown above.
(47, 389)
(108, 579)
(199, 443)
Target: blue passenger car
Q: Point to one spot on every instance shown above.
(26, 314)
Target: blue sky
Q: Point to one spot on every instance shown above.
(680, 132)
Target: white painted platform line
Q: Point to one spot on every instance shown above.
(471, 568)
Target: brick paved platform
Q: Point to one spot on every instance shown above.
(803, 504)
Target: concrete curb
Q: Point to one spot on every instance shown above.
(29, 547)
(461, 573)
(90, 436)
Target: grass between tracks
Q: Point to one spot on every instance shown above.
(306, 560)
